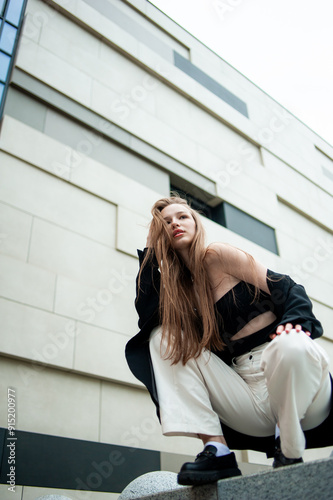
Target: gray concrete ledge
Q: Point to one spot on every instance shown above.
(310, 481)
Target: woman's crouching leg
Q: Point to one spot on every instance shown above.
(195, 398)
(297, 375)
(185, 407)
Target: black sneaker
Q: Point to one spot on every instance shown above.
(280, 460)
(208, 468)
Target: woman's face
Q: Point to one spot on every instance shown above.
(180, 224)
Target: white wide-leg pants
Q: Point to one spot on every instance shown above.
(285, 381)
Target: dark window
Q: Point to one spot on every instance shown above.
(253, 229)
(11, 17)
(195, 203)
(234, 219)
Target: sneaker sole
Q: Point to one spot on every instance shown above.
(197, 478)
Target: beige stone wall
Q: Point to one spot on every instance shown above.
(71, 223)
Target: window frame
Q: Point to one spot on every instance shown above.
(219, 215)
(3, 20)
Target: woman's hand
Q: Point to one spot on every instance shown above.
(287, 328)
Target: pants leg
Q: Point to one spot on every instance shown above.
(284, 381)
(297, 375)
(193, 398)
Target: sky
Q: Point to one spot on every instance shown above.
(285, 47)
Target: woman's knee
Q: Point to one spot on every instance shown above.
(289, 348)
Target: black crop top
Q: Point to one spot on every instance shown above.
(287, 300)
(235, 309)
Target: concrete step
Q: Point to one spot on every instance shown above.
(307, 481)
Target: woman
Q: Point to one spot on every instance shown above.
(225, 349)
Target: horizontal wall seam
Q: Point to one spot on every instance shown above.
(298, 172)
(183, 92)
(304, 214)
(109, 130)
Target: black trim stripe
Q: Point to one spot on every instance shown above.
(210, 84)
(153, 42)
(131, 26)
(57, 462)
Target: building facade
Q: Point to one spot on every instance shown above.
(106, 106)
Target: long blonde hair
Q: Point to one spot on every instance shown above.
(188, 317)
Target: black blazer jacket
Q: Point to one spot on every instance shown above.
(293, 306)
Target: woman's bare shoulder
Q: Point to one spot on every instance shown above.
(219, 249)
(235, 262)
(231, 258)
(218, 252)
